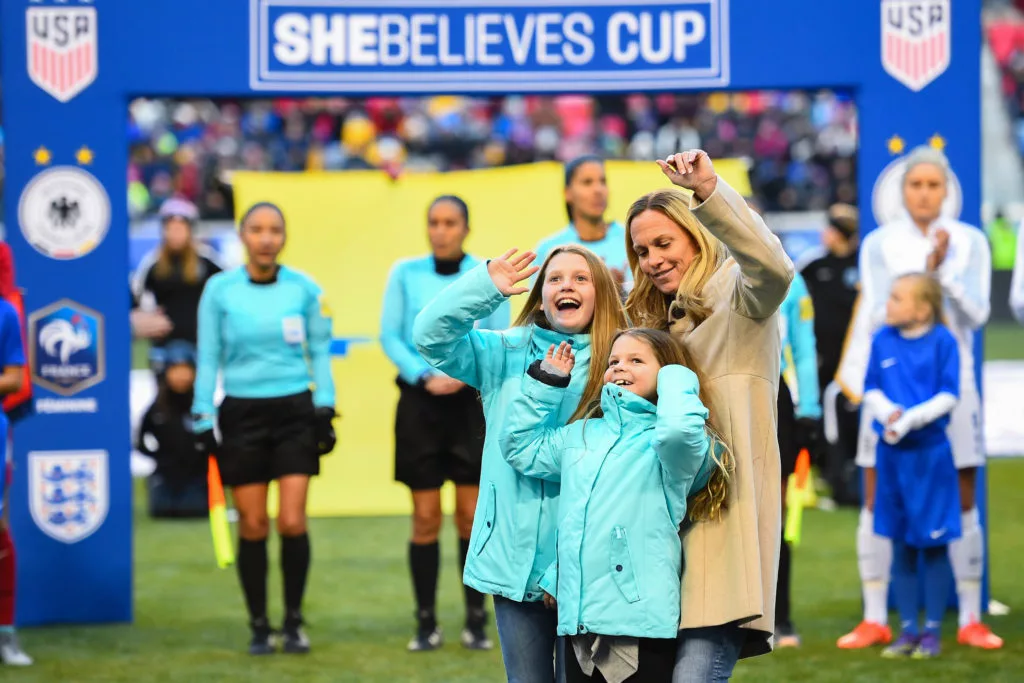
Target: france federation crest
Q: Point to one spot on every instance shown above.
(62, 53)
(916, 40)
(68, 492)
(66, 347)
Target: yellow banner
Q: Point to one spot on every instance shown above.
(347, 229)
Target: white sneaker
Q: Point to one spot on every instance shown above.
(11, 652)
(998, 609)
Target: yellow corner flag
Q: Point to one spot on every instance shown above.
(799, 494)
(222, 548)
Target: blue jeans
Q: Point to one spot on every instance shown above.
(709, 654)
(526, 631)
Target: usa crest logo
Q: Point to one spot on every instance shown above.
(68, 492)
(916, 40)
(62, 49)
(66, 347)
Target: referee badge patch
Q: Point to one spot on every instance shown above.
(806, 309)
(325, 310)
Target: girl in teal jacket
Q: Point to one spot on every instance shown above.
(626, 473)
(513, 542)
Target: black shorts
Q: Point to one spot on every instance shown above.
(788, 448)
(438, 438)
(263, 439)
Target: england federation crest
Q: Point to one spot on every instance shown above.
(68, 492)
(916, 40)
(62, 52)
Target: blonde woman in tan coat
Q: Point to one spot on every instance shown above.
(708, 269)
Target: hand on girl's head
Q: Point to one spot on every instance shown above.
(561, 357)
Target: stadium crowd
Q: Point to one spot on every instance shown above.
(802, 145)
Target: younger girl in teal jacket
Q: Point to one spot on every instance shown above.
(626, 473)
(513, 541)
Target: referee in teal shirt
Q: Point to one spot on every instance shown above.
(267, 329)
(439, 422)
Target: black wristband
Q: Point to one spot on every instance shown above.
(559, 381)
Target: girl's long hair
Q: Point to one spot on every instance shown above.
(646, 306)
(708, 503)
(608, 317)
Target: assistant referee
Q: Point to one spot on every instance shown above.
(268, 329)
(439, 422)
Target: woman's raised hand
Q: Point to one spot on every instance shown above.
(691, 170)
(508, 270)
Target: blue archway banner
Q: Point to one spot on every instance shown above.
(71, 66)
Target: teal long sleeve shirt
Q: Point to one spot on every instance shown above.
(412, 284)
(799, 349)
(270, 339)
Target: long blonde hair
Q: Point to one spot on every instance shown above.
(708, 503)
(646, 306)
(164, 266)
(608, 317)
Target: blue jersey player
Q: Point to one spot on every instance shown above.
(912, 384)
(12, 362)
(267, 329)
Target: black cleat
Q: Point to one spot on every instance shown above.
(295, 641)
(261, 643)
(474, 637)
(428, 634)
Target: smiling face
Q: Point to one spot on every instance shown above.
(633, 366)
(568, 293)
(663, 249)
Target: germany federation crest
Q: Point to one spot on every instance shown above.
(916, 40)
(62, 53)
(68, 492)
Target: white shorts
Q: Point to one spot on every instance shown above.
(964, 431)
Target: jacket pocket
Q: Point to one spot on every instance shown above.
(622, 565)
(486, 527)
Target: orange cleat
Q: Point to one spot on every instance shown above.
(979, 635)
(867, 634)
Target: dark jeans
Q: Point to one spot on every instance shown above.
(531, 650)
(708, 655)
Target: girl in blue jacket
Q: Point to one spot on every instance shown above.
(513, 539)
(626, 471)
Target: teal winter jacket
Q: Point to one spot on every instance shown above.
(625, 480)
(513, 539)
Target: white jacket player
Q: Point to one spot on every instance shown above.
(958, 256)
(1017, 285)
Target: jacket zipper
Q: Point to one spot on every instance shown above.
(583, 533)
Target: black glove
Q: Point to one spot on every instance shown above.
(323, 430)
(808, 435)
(205, 443)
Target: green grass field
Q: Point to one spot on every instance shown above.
(189, 623)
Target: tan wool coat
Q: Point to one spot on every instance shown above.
(731, 564)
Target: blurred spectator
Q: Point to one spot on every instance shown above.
(177, 487)
(169, 281)
(1002, 237)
